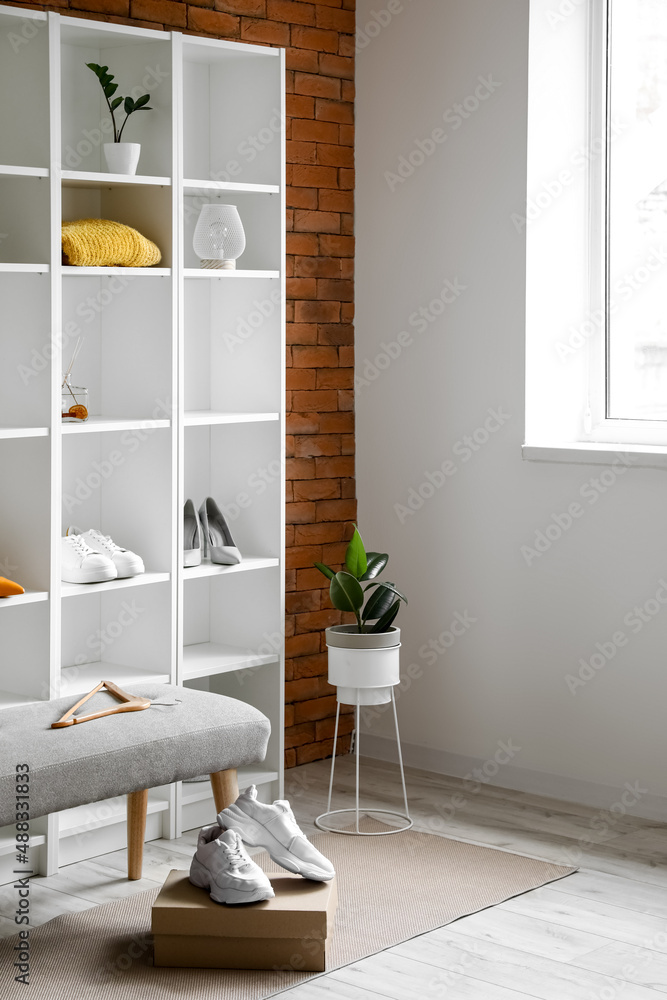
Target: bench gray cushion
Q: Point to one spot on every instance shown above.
(199, 734)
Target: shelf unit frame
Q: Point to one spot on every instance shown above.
(176, 807)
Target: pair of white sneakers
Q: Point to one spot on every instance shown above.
(91, 557)
(222, 865)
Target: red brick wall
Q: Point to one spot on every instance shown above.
(319, 38)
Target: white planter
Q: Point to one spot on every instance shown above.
(122, 157)
(363, 667)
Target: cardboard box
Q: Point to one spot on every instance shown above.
(290, 931)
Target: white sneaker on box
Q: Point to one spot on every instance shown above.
(222, 866)
(275, 829)
(81, 564)
(127, 563)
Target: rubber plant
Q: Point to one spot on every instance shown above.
(129, 104)
(375, 605)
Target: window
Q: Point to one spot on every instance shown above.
(596, 227)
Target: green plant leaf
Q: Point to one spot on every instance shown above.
(355, 557)
(95, 68)
(147, 108)
(389, 586)
(116, 102)
(346, 593)
(378, 603)
(329, 573)
(376, 562)
(129, 105)
(383, 624)
(110, 89)
(142, 100)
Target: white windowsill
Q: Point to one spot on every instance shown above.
(597, 453)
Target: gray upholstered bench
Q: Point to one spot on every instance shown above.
(191, 733)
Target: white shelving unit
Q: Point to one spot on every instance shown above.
(185, 372)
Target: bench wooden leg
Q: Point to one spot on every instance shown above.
(137, 804)
(225, 788)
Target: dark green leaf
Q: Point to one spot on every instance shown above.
(345, 592)
(378, 603)
(110, 89)
(355, 557)
(142, 100)
(95, 68)
(116, 102)
(329, 573)
(389, 586)
(384, 623)
(376, 563)
(129, 105)
(147, 108)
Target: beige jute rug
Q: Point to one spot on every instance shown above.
(389, 889)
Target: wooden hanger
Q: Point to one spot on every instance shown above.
(130, 703)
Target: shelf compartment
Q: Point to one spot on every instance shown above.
(25, 219)
(97, 179)
(208, 418)
(25, 547)
(79, 680)
(106, 425)
(195, 187)
(24, 78)
(11, 433)
(86, 589)
(30, 597)
(262, 222)
(205, 658)
(10, 700)
(248, 565)
(107, 272)
(106, 812)
(200, 791)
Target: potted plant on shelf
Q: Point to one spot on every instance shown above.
(122, 157)
(364, 657)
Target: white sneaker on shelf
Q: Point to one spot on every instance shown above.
(127, 563)
(275, 829)
(81, 564)
(222, 866)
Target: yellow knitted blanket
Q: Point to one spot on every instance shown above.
(101, 243)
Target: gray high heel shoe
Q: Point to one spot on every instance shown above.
(218, 541)
(192, 538)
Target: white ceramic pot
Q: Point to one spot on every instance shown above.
(122, 157)
(363, 666)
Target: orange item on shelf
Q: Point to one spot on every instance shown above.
(10, 589)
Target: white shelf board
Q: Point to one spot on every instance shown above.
(143, 580)
(205, 418)
(102, 272)
(6, 170)
(8, 433)
(203, 659)
(101, 425)
(81, 679)
(8, 843)
(213, 273)
(94, 179)
(10, 700)
(248, 564)
(194, 187)
(30, 597)
(25, 268)
(199, 791)
(104, 813)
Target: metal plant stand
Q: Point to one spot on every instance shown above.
(323, 817)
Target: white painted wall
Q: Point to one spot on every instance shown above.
(505, 677)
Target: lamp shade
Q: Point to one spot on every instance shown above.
(219, 237)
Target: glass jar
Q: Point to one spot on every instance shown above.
(74, 407)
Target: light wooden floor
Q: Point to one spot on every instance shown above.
(600, 934)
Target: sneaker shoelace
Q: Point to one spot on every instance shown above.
(236, 855)
(80, 546)
(106, 541)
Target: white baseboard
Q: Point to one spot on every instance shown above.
(519, 779)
